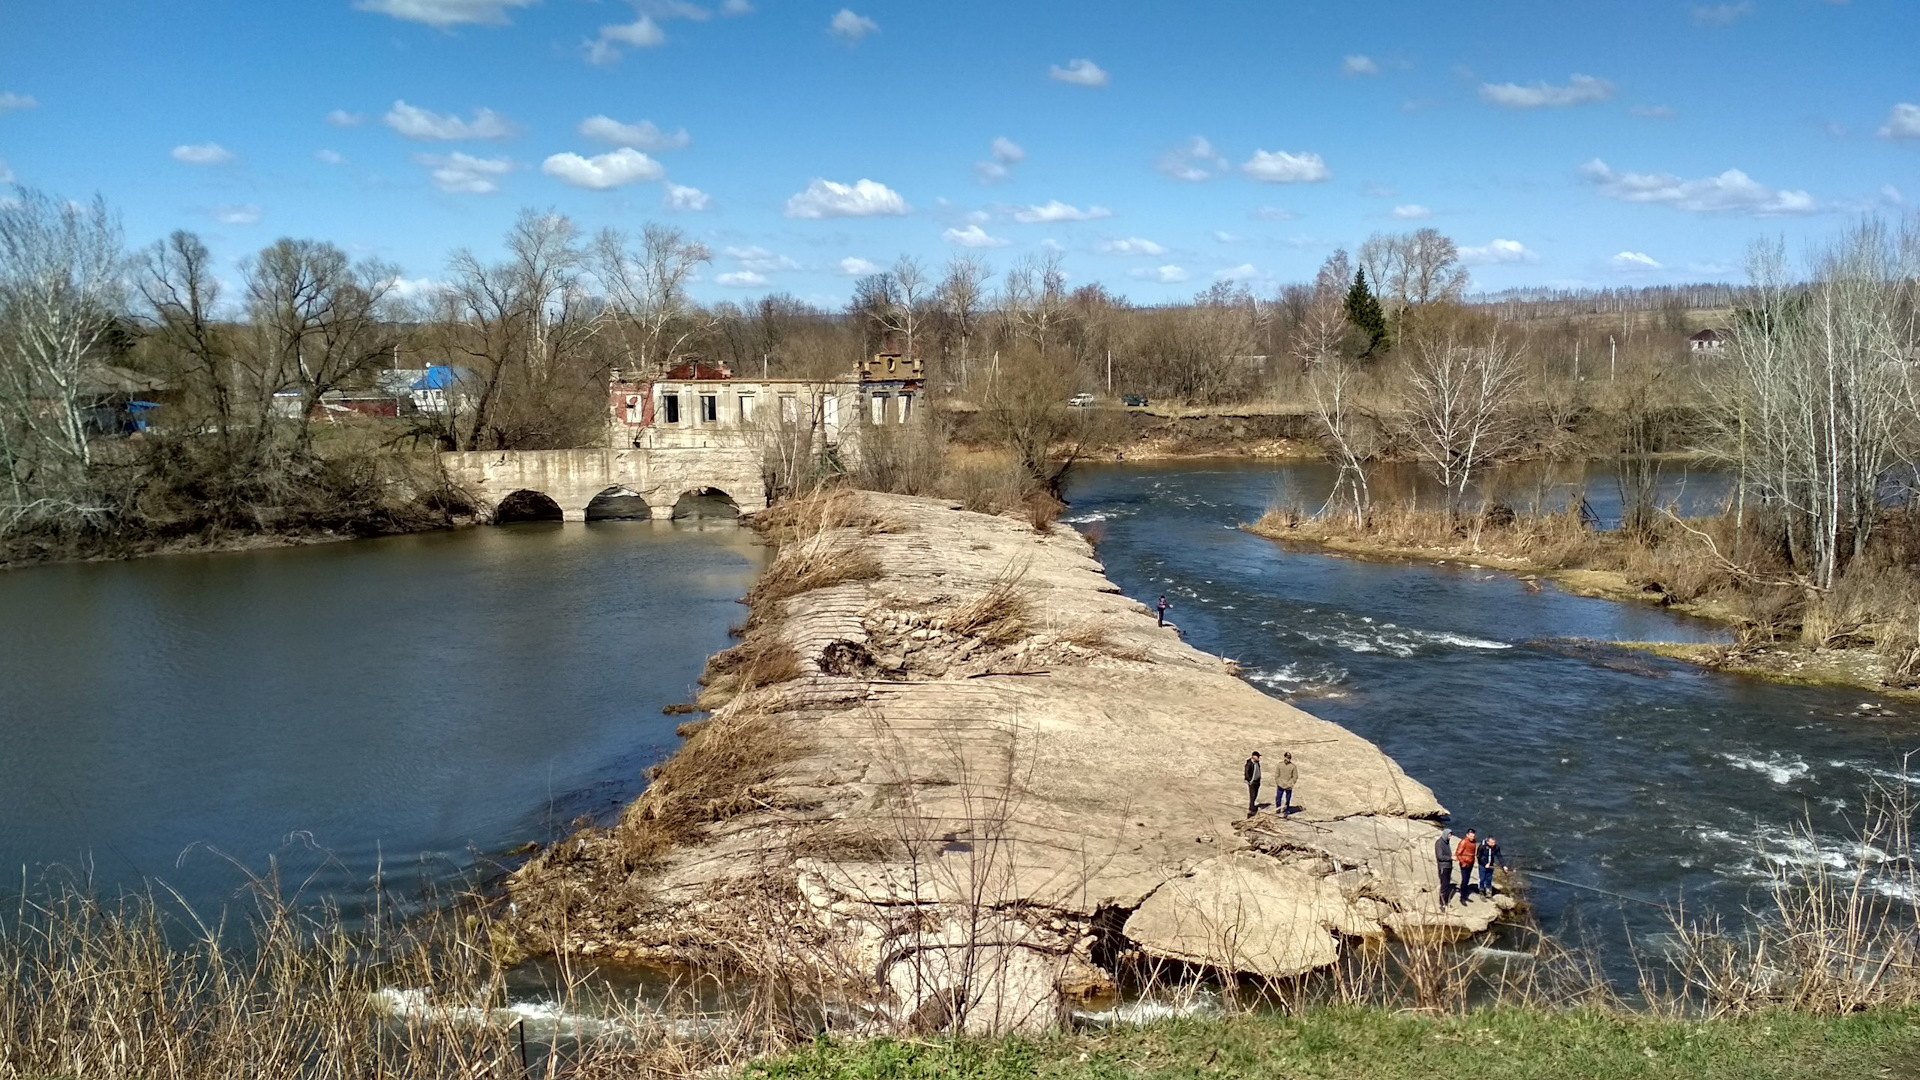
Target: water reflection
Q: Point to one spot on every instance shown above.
(420, 703)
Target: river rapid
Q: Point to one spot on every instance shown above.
(1637, 781)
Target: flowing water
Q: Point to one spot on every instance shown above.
(417, 705)
(1630, 777)
(424, 704)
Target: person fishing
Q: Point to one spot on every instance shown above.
(1284, 776)
(1443, 857)
(1252, 771)
(1489, 857)
(1161, 609)
(1465, 854)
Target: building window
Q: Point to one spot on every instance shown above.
(830, 412)
(906, 407)
(879, 408)
(746, 408)
(789, 409)
(709, 408)
(669, 408)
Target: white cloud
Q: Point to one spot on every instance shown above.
(401, 288)
(1192, 161)
(742, 279)
(1496, 252)
(849, 27)
(1359, 65)
(1224, 237)
(1731, 192)
(674, 9)
(442, 14)
(1164, 275)
(973, 236)
(12, 102)
(760, 260)
(642, 33)
(330, 157)
(1892, 195)
(641, 136)
(1054, 211)
(1634, 262)
(1079, 73)
(1274, 213)
(1132, 245)
(866, 198)
(1411, 212)
(1243, 272)
(602, 172)
(1654, 112)
(463, 174)
(1902, 123)
(341, 118)
(1281, 167)
(1580, 90)
(991, 172)
(1722, 14)
(1008, 152)
(855, 266)
(429, 126)
(6, 177)
(685, 199)
(736, 7)
(247, 214)
(202, 154)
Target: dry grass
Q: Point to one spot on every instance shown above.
(1001, 615)
(722, 770)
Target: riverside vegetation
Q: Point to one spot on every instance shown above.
(136, 989)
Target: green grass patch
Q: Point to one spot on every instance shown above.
(1361, 1044)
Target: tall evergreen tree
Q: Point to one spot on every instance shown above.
(1363, 311)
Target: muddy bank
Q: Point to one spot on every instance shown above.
(952, 772)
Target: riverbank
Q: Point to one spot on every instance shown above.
(949, 768)
(1678, 576)
(1373, 1044)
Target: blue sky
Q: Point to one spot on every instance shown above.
(1160, 146)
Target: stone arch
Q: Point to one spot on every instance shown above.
(705, 504)
(527, 505)
(618, 504)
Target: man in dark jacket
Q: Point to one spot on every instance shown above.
(1489, 857)
(1443, 850)
(1253, 783)
(1284, 776)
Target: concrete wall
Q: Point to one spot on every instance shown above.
(573, 478)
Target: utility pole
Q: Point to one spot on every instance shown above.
(1109, 372)
(1612, 351)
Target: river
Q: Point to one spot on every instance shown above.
(415, 706)
(422, 705)
(1636, 780)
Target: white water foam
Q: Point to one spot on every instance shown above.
(1139, 1013)
(1780, 768)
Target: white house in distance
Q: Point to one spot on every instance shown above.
(1709, 341)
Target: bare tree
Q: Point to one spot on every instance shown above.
(1414, 269)
(909, 310)
(961, 296)
(1458, 416)
(61, 292)
(316, 320)
(647, 289)
(521, 327)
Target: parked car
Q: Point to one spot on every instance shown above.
(1080, 401)
(1134, 401)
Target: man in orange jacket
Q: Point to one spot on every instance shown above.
(1465, 855)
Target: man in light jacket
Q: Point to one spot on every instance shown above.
(1253, 782)
(1284, 776)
